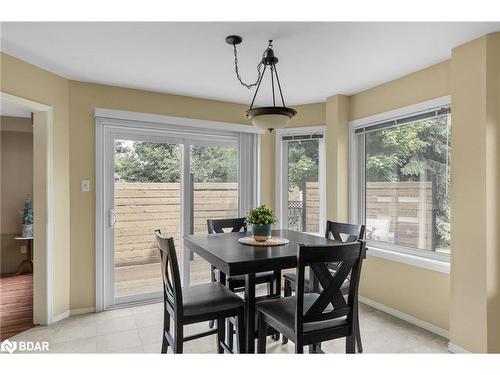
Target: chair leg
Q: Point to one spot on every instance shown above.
(299, 347)
(358, 331)
(166, 328)
(287, 292)
(220, 335)
(178, 339)
(270, 288)
(230, 334)
(276, 287)
(261, 334)
(288, 289)
(213, 278)
(350, 344)
(240, 331)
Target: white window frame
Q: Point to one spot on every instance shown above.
(420, 258)
(186, 132)
(282, 171)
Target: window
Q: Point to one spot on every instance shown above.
(400, 180)
(300, 181)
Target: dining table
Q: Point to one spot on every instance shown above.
(232, 258)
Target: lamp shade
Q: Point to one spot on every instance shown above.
(270, 117)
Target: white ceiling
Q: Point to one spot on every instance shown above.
(9, 109)
(316, 59)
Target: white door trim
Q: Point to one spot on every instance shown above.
(172, 120)
(43, 209)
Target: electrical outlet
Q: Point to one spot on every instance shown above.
(24, 249)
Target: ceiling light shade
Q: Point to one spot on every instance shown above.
(271, 117)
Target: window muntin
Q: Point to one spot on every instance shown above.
(404, 175)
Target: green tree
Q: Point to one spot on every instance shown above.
(303, 163)
(147, 162)
(159, 162)
(214, 164)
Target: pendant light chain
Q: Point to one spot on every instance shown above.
(258, 85)
(259, 67)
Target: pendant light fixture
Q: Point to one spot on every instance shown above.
(271, 117)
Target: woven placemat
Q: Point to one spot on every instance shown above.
(273, 241)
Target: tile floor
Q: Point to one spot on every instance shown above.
(138, 330)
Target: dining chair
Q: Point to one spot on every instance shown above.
(341, 232)
(311, 318)
(199, 303)
(237, 283)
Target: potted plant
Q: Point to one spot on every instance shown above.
(261, 218)
(27, 218)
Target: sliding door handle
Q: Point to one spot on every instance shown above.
(112, 217)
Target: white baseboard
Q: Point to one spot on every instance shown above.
(72, 312)
(408, 318)
(57, 318)
(452, 348)
(84, 310)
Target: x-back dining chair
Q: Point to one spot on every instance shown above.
(200, 303)
(237, 283)
(341, 232)
(310, 318)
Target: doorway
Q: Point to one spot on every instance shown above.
(26, 294)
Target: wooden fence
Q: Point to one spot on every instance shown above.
(312, 207)
(401, 213)
(143, 207)
(303, 206)
(397, 212)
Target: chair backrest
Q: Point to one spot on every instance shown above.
(218, 225)
(172, 288)
(352, 231)
(330, 304)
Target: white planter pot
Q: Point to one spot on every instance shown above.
(27, 230)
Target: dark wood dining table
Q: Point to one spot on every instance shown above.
(233, 258)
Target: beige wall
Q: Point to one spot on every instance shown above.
(337, 156)
(493, 191)
(419, 86)
(16, 184)
(84, 98)
(415, 291)
(27, 81)
(475, 259)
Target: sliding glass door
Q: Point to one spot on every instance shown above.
(170, 181)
